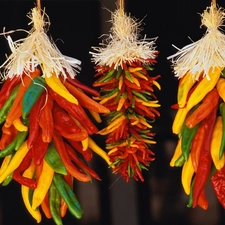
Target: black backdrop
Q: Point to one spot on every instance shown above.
(76, 25)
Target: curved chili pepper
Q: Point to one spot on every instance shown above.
(31, 95)
(52, 157)
(218, 183)
(80, 163)
(54, 203)
(7, 88)
(39, 149)
(64, 120)
(17, 174)
(83, 87)
(70, 167)
(76, 111)
(68, 195)
(204, 109)
(187, 135)
(85, 100)
(34, 120)
(45, 206)
(46, 120)
(8, 104)
(205, 160)
(43, 185)
(16, 109)
(222, 145)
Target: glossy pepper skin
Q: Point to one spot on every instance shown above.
(205, 160)
(33, 92)
(8, 103)
(68, 195)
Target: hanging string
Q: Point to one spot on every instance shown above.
(39, 4)
(214, 3)
(120, 5)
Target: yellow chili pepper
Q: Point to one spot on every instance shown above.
(215, 144)
(43, 185)
(120, 82)
(156, 84)
(96, 116)
(135, 80)
(25, 194)
(186, 175)
(203, 88)
(15, 162)
(106, 99)
(148, 103)
(19, 125)
(92, 145)
(56, 85)
(121, 102)
(5, 163)
(220, 86)
(185, 84)
(134, 69)
(140, 75)
(177, 153)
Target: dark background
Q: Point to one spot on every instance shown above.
(76, 26)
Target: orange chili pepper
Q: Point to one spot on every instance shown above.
(16, 109)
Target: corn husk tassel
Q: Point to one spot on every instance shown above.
(122, 63)
(200, 119)
(46, 139)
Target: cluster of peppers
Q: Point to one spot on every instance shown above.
(200, 126)
(45, 142)
(128, 92)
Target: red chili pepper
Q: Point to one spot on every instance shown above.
(16, 109)
(70, 167)
(83, 87)
(34, 120)
(196, 146)
(76, 111)
(205, 160)
(87, 154)
(7, 88)
(85, 100)
(31, 183)
(204, 109)
(46, 120)
(39, 149)
(218, 183)
(63, 120)
(80, 163)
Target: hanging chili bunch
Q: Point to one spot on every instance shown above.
(122, 65)
(199, 122)
(44, 115)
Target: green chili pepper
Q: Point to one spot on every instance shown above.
(187, 137)
(140, 95)
(21, 136)
(222, 146)
(119, 72)
(110, 92)
(7, 180)
(53, 158)
(14, 145)
(127, 73)
(54, 204)
(179, 162)
(68, 195)
(7, 105)
(190, 200)
(33, 92)
(108, 76)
